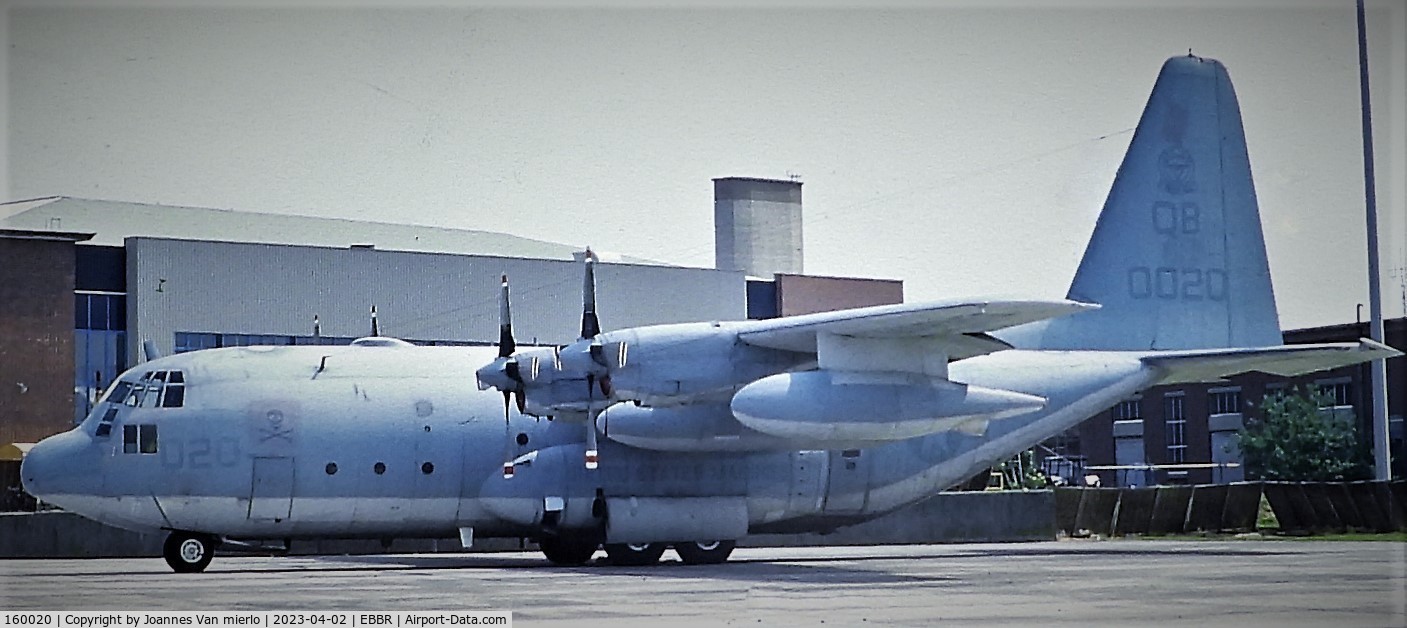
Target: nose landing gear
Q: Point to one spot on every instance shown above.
(188, 552)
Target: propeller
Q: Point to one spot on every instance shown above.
(590, 329)
(586, 358)
(375, 328)
(504, 374)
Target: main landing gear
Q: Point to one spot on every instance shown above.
(188, 552)
(574, 551)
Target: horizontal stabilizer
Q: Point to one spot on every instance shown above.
(1180, 367)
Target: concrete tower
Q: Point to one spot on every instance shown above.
(757, 226)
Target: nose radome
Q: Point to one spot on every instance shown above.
(51, 466)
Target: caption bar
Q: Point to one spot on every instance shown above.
(255, 619)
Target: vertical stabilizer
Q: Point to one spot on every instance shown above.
(1177, 258)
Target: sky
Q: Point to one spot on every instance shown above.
(963, 147)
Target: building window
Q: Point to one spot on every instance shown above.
(1129, 410)
(195, 341)
(1224, 401)
(100, 346)
(1337, 393)
(1175, 422)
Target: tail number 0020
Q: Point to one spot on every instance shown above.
(1187, 284)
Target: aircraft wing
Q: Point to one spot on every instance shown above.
(960, 327)
(1211, 365)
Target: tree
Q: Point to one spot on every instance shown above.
(1296, 439)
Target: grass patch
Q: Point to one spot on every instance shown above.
(1274, 535)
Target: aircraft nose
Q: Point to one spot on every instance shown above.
(51, 466)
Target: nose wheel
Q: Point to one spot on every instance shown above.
(188, 552)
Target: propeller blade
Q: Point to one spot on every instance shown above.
(375, 328)
(592, 450)
(506, 345)
(590, 325)
(507, 438)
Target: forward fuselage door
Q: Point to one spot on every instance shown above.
(849, 485)
(271, 495)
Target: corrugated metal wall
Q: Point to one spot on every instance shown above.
(200, 286)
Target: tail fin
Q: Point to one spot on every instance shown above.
(1177, 258)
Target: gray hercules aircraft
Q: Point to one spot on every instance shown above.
(694, 435)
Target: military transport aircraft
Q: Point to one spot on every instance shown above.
(695, 435)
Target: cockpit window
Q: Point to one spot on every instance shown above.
(175, 396)
(134, 395)
(157, 389)
(117, 393)
(105, 425)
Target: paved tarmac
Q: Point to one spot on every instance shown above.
(1121, 582)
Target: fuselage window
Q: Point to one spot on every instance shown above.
(139, 439)
(105, 425)
(146, 438)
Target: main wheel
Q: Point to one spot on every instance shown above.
(188, 552)
(631, 555)
(568, 550)
(704, 552)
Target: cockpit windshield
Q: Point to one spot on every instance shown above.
(154, 389)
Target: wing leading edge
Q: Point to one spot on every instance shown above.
(960, 326)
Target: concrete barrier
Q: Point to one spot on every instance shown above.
(1097, 510)
(1291, 507)
(1326, 519)
(1242, 507)
(1208, 503)
(1397, 502)
(1067, 509)
(1135, 511)
(1374, 514)
(1344, 506)
(53, 533)
(960, 517)
(1170, 510)
(945, 518)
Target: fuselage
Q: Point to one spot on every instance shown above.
(289, 442)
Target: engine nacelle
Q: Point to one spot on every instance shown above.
(871, 406)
